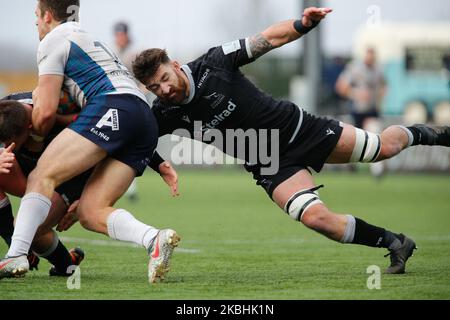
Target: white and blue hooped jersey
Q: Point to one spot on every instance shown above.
(89, 67)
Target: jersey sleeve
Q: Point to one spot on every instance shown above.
(52, 55)
(231, 55)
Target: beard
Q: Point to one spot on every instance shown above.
(177, 95)
(175, 99)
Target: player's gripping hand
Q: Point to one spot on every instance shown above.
(69, 219)
(170, 177)
(314, 14)
(7, 159)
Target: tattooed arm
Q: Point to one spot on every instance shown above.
(284, 32)
(273, 37)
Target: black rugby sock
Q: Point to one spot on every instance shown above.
(417, 135)
(6, 222)
(373, 236)
(60, 257)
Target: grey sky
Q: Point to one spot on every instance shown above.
(188, 27)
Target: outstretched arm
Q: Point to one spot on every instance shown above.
(284, 32)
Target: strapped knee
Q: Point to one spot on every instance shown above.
(367, 147)
(301, 201)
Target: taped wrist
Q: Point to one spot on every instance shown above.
(156, 161)
(302, 29)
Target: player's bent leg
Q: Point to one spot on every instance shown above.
(109, 181)
(358, 145)
(68, 155)
(107, 184)
(57, 211)
(50, 247)
(323, 221)
(343, 151)
(396, 138)
(299, 198)
(298, 195)
(393, 141)
(46, 243)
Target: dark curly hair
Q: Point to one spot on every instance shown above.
(148, 62)
(13, 119)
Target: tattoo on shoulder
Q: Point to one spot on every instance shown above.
(259, 45)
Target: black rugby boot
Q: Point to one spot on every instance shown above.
(400, 255)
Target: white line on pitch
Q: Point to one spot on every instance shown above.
(108, 243)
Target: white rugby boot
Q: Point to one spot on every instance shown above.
(160, 252)
(14, 267)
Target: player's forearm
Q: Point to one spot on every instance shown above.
(46, 100)
(44, 117)
(284, 32)
(273, 37)
(281, 33)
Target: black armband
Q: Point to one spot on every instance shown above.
(300, 28)
(156, 161)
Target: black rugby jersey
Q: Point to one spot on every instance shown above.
(223, 98)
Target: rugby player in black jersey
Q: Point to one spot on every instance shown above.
(13, 181)
(212, 90)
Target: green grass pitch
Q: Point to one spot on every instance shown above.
(236, 244)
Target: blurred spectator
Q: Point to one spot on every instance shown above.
(123, 44)
(363, 84)
(127, 53)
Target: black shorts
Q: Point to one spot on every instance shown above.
(70, 191)
(310, 149)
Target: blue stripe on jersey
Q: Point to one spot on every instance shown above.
(87, 74)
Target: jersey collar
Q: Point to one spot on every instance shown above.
(188, 73)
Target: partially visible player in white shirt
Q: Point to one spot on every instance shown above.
(115, 132)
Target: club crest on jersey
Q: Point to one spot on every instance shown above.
(185, 118)
(110, 119)
(215, 99)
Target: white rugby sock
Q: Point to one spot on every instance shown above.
(349, 232)
(123, 226)
(409, 134)
(33, 211)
